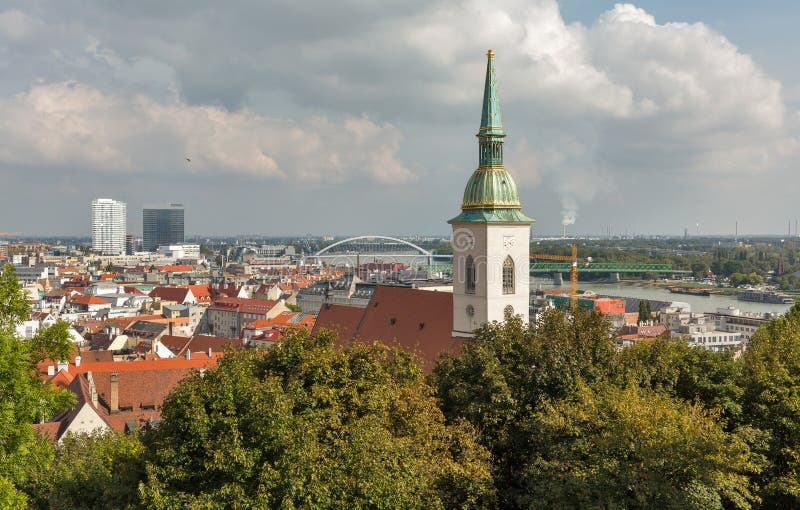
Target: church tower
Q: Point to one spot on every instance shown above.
(491, 236)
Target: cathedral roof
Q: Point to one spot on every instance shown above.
(491, 194)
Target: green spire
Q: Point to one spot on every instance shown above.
(491, 124)
(491, 193)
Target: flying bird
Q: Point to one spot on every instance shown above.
(189, 160)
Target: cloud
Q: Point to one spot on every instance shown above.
(373, 94)
(71, 124)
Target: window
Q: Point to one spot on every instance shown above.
(469, 275)
(508, 276)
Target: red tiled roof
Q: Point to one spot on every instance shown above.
(176, 294)
(340, 318)
(174, 343)
(87, 299)
(201, 293)
(254, 306)
(418, 321)
(202, 343)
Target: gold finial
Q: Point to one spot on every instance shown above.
(490, 53)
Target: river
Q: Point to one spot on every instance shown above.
(643, 291)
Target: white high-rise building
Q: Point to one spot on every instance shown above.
(109, 225)
(491, 236)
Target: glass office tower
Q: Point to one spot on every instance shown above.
(161, 225)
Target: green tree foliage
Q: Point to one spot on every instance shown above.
(548, 402)
(772, 403)
(90, 472)
(645, 311)
(679, 370)
(24, 399)
(308, 426)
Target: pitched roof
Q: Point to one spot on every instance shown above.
(202, 343)
(244, 305)
(418, 321)
(87, 299)
(340, 318)
(201, 293)
(176, 294)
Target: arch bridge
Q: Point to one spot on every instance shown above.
(376, 247)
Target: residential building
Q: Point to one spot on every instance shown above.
(162, 225)
(227, 316)
(109, 226)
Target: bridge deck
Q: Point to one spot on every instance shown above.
(604, 267)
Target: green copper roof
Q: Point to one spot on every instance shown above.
(491, 194)
(491, 123)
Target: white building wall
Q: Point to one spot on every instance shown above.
(109, 225)
(87, 420)
(489, 245)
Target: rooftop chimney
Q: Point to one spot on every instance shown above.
(209, 352)
(51, 370)
(77, 361)
(92, 389)
(188, 354)
(114, 397)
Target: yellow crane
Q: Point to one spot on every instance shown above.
(573, 272)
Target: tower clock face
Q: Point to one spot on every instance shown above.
(509, 242)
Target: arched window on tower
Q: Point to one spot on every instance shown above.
(508, 276)
(469, 275)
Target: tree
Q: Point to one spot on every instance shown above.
(24, 398)
(101, 470)
(611, 447)
(294, 308)
(645, 312)
(509, 374)
(569, 426)
(306, 425)
(699, 269)
(679, 370)
(772, 403)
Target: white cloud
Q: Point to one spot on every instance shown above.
(74, 125)
(18, 26)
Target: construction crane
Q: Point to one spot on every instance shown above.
(573, 272)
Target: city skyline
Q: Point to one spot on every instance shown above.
(650, 118)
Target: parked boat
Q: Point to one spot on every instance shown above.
(764, 296)
(692, 292)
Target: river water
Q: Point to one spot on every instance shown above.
(698, 303)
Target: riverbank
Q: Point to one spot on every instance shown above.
(645, 289)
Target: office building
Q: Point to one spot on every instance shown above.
(108, 226)
(162, 225)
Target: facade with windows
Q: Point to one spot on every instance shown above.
(109, 226)
(162, 226)
(491, 236)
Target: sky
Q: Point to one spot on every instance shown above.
(358, 117)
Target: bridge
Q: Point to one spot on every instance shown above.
(603, 267)
(369, 248)
(376, 248)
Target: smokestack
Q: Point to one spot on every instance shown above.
(565, 230)
(114, 397)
